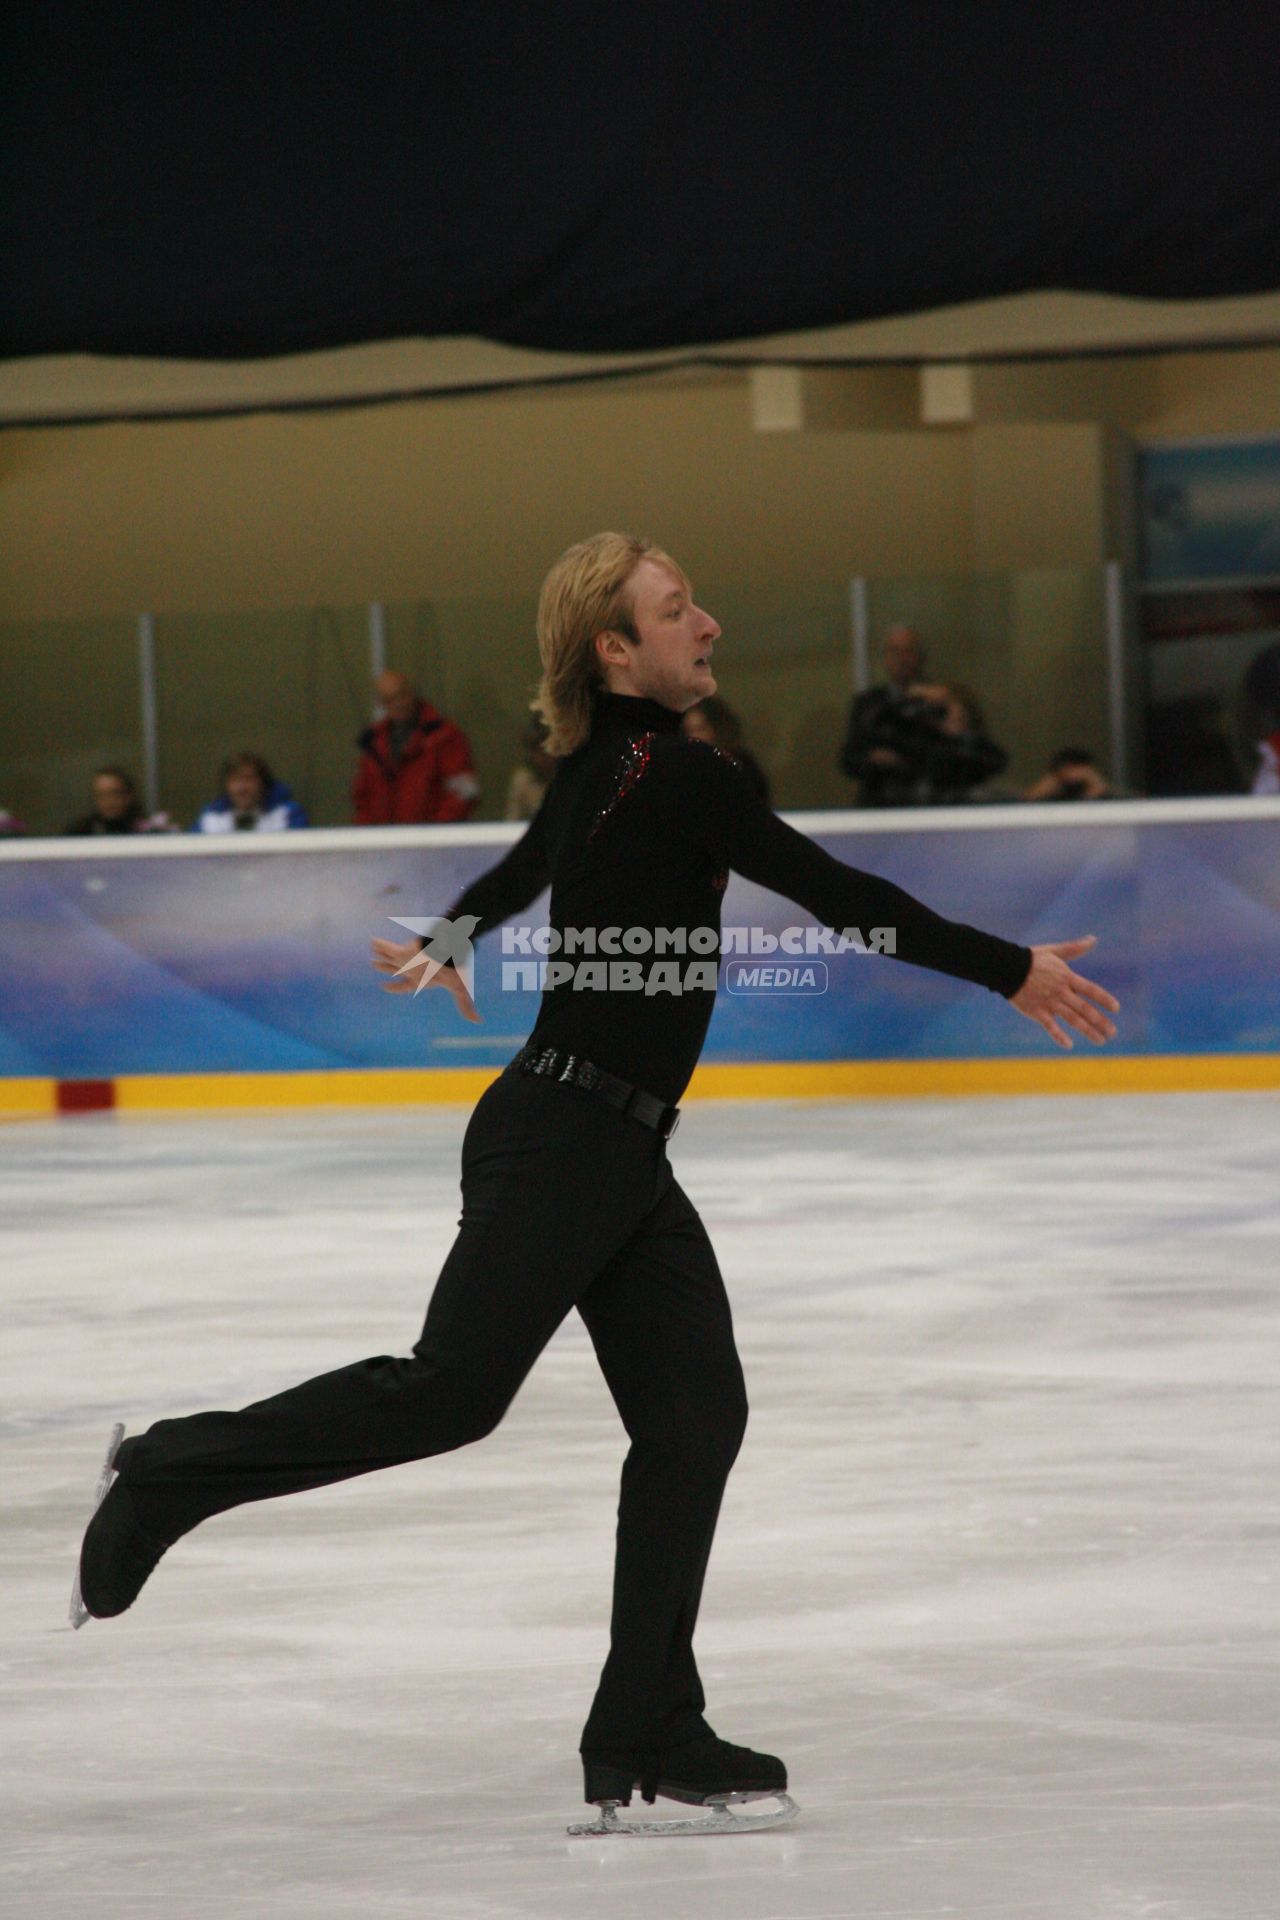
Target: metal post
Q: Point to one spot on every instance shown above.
(377, 637)
(860, 627)
(1117, 708)
(150, 710)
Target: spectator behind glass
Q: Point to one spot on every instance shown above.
(530, 780)
(880, 747)
(1073, 774)
(956, 754)
(715, 721)
(252, 800)
(117, 808)
(913, 742)
(11, 828)
(414, 764)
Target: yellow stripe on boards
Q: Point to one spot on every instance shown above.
(27, 1099)
(1078, 1073)
(952, 1079)
(770, 1080)
(337, 1087)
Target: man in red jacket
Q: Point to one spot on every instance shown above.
(414, 765)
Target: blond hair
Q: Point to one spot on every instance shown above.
(585, 594)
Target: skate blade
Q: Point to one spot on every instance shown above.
(719, 1817)
(78, 1612)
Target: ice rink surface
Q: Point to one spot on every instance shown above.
(996, 1571)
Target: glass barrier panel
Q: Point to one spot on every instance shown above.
(292, 685)
(69, 702)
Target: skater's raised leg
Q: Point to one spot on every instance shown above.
(553, 1184)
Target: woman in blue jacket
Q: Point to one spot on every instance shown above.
(252, 800)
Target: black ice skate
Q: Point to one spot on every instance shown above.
(123, 1541)
(705, 1772)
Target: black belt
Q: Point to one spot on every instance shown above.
(553, 1063)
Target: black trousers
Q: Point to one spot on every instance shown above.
(566, 1203)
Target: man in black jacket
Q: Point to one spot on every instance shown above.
(912, 743)
(568, 1196)
(880, 746)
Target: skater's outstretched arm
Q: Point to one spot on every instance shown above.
(715, 803)
(507, 888)
(517, 879)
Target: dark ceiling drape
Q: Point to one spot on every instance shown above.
(226, 181)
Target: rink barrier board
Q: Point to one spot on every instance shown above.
(234, 970)
(777, 1080)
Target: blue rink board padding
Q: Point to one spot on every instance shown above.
(259, 961)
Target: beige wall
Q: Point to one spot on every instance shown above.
(455, 497)
(1211, 393)
(460, 503)
(1037, 495)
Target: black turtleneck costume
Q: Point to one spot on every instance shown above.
(569, 1203)
(640, 828)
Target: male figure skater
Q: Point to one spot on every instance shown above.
(568, 1196)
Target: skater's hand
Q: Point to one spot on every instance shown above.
(399, 959)
(1052, 993)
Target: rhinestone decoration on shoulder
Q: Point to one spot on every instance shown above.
(636, 760)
